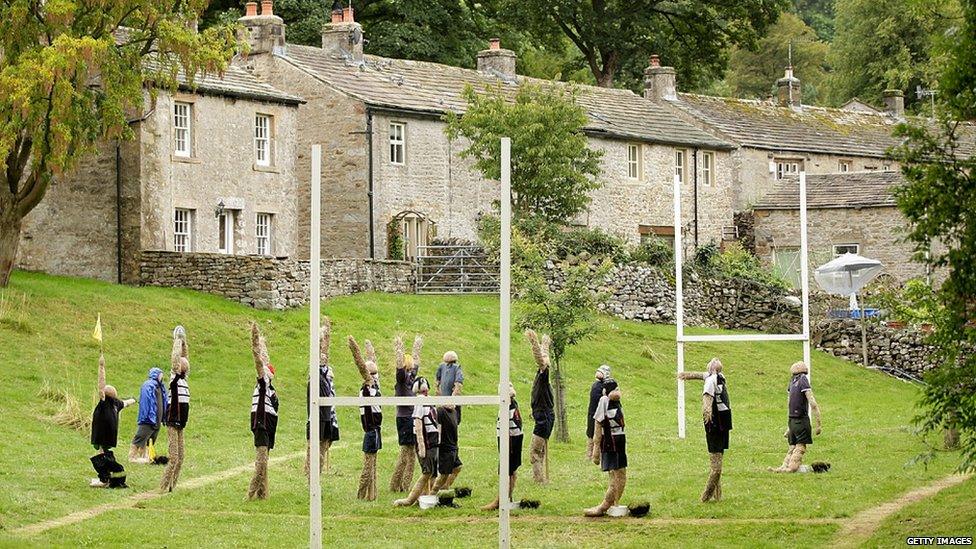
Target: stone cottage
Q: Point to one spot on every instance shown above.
(211, 169)
(389, 164)
(846, 213)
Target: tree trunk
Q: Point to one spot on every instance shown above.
(9, 240)
(562, 429)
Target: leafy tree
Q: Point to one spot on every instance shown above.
(939, 201)
(72, 72)
(553, 167)
(616, 37)
(881, 45)
(754, 73)
(818, 15)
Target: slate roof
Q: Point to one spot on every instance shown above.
(433, 88)
(235, 82)
(835, 190)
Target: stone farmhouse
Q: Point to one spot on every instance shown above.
(211, 169)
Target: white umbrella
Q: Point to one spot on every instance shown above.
(846, 275)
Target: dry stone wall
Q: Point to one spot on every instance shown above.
(893, 350)
(269, 282)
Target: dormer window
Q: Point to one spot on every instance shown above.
(787, 167)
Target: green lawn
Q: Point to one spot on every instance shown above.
(45, 338)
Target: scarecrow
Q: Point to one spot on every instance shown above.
(610, 449)
(603, 384)
(105, 433)
(515, 436)
(427, 432)
(264, 414)
(798, 433)
(407, 368)
(178, 412)
(370, 416)
(152, 410)
(450, 379)
(543, 406)
(717, 417)
(328, 422)
(448, 462)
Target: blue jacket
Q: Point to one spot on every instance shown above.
(148, 412)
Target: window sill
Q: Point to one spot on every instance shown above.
(185, 159)
(267, 169)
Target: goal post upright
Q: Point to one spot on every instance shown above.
(314, 282)
(679, 304)
(805, 273)
(504, 342)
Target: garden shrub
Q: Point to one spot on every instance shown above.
(655, 252)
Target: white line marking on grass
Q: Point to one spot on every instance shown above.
(863, 525)
(133, 500)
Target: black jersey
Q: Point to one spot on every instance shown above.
(105, 422)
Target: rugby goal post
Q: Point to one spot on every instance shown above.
(501, 400)
(681, 338)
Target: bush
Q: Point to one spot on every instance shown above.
(736, 262)
(592, 241)
(655, 252)
(915, 302)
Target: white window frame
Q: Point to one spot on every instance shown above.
(225, 241)
(263, 226)
(834, 248)
(183, 129)
(844, 166)
(634, 161)
(398, 143)
(263, 139)
(680, 164)
(708, 168)
(182, 230)
(786, 167)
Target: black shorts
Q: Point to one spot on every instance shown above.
(717, 439)
(327, 431)
(264, 437)
(514, 454)
(372, 441)
(800, 432)
(544, 422)
(405, 434)
(428, 463)
(447, 461)
(617, 457)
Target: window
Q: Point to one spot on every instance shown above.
(841, 249)
(707, 168)
(263, 233)
(651, 233)
(870, 168)
(886, 168)
(225, 232)
(262, 139)
(415, 230)
(182, 129)
(786, 264)
(182, 231)
(679, 165)
(397, 142)
(787, 168)
(844, 166)
(633, 161)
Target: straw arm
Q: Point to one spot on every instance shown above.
(692, 375)
(325, 337)
(398, 353)
(707, 401)
(370, 351)
(418, 345)
(418, 431)
(357, 358)
(256, 343)
(815, 408)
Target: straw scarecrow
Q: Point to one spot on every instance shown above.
(328, 427)
(427, 432)
(543, 408)
(105, 433)
(798, 433)
(178, 412)
(264, 414)
(610, 450)
(717, 417)
(371, 417)
(407, 370)
(515, 436)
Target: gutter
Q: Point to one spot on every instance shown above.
(369, 177)
(694, 164)
(118, 211)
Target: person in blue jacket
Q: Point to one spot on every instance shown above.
(152, 410)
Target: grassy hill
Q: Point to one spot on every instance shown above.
(45, 342)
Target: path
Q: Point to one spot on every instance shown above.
(135, 499)
(863, 525)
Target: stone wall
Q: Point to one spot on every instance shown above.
(889, 349)
(646, 294)
(271, 282)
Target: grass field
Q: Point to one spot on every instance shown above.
(45, 339)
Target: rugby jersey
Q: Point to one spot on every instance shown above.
(178, 412)
(432, 429)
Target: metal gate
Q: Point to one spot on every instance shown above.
(455, 269)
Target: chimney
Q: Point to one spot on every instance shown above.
(265, 33)
(788, 90)
(894, 101)
(497, 61)
(343, 36)
(659, 82)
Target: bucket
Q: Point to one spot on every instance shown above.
(427, 502)
(617, 511)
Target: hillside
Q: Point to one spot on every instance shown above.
(45, 340)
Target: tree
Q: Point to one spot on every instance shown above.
(618, 36)
(71, 73)
(818, 15)
(553, 167)
(939, 201)
(881, 45)
(754, 73)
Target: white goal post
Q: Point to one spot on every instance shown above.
(501, 400)
(681, 338)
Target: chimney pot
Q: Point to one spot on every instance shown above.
(655, 60)
(267, 7)
(494, 44)
(251, 9)
(337, 16)
(347, 15)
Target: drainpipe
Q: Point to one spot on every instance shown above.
(369, 176)
(694, 168)
(118, 210)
